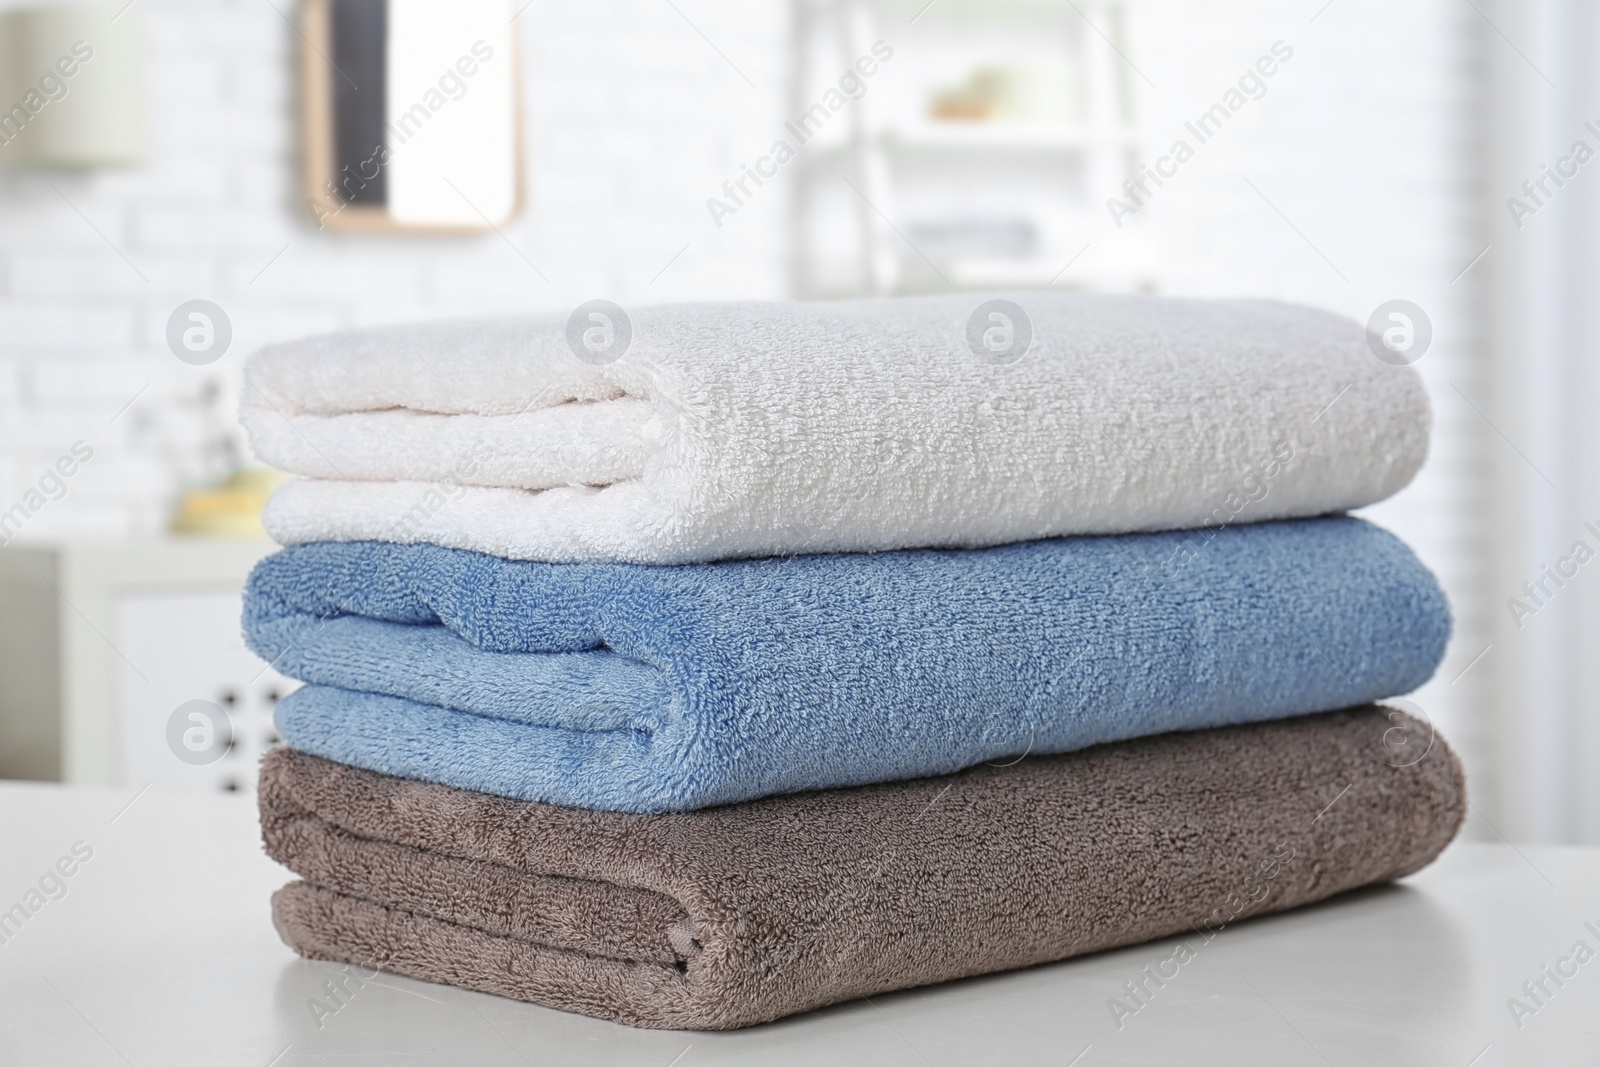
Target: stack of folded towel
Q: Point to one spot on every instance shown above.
(801, 654)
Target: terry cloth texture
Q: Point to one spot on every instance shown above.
(646, 689)
(736, 915)
(729, 430)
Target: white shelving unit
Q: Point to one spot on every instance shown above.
(980, 155)
(102, 642)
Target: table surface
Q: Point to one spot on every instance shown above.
(161, 951)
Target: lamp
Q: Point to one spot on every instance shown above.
(71, 87)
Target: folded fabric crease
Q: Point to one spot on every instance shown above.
(735, 915)
(642, 688)
(748, 429)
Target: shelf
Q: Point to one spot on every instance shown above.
(1012, 137)
(1055, 125)
(1036, 12)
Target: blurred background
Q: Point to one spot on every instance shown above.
(194, 188)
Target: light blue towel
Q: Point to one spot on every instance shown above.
(649, 689)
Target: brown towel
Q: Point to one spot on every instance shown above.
(724, 917)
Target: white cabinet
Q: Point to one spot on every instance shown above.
(100, 644)
(178, 647)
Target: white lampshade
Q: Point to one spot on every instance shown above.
(72, 90)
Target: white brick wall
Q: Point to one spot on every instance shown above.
(631, 120)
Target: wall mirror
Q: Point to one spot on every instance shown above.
(411, 113)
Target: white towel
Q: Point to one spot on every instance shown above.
(747, 429)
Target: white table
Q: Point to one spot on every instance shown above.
(161, 952)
